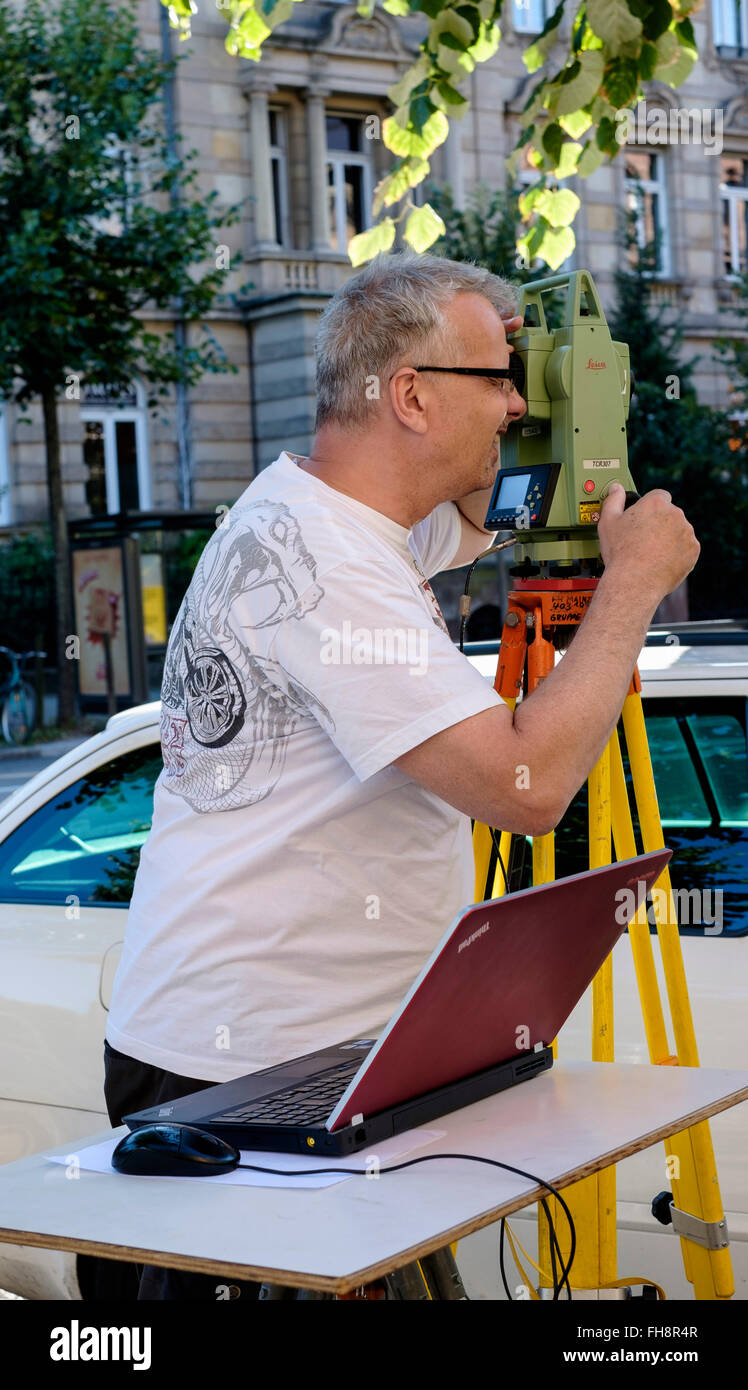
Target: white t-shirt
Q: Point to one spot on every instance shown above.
(293, 882)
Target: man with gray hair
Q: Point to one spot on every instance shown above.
(325, 744)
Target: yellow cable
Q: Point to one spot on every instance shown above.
(614, 1284)
(525, 1277)
(541, 1272)
(635, 1279)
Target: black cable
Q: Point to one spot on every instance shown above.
(557, 1287)
(466, 591)
(501, 1261)
(496, 842)
(431, 1158)
(551, 1244)
(554, 1241)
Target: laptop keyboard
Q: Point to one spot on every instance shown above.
(309, 1103)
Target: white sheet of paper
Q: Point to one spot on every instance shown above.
(97, 1158)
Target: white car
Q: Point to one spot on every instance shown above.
(70, 839)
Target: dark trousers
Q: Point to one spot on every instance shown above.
(131, 1085)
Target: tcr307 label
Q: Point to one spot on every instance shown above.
(601, 463)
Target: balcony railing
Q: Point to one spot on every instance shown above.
(284, 271)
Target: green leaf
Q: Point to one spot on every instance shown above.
(606, 136)
(566, 165)
(469, 12)
(533, 239)
(400, 92)
(556, 246)
(589, 160)
(677, 72)
(647, 61)
(667, 50)
(395, 185)
(576, 123)
(423, 228)
(528, 200)
(452, 97)
(452, 24)
(583, 87)
(421, 110)
(367, 245)
(457, 63)
(534, 56)
(613, 22)
(553, 138)
(658, 18)
(486, 44)
(246, 37)
(686, 36)
(621, 81)
(558, 206)
(410, 142)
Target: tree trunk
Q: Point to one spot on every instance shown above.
(58, 525)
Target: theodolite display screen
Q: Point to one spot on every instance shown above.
(512, 492)
(522, 497)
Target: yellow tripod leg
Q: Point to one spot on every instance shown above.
(544, 871)
(599, 822)
(641, 948)
(695, 1183)
(592, 1201)
(641, 941)
(482, 846)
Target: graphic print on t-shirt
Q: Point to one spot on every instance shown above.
(431, 598)
(226, 711)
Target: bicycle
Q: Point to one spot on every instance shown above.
(19, 703)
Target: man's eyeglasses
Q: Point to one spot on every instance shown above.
(509, 378)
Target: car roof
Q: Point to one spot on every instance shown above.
(672, 663)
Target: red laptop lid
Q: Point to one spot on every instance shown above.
(504, 977)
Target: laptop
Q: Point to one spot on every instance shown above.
(479, 1017)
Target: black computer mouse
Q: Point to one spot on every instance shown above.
(175, 1151)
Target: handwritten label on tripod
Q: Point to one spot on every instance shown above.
(569, 604)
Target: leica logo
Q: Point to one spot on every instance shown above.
(594, 366)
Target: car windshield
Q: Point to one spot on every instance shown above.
(84, 844)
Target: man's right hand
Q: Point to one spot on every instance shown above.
(653, 540)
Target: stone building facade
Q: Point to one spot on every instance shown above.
(298, 137)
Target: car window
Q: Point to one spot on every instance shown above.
(86, 840)
(681, 800)
(721, 746)
(698, 750)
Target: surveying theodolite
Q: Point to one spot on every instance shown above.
(562, 457)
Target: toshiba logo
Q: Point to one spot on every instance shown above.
(593, 366)
(470, 939)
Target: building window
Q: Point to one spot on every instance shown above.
(115, 451)
(646, 197)
(734, 193)
(349, 179)
(279, 175)
(730, 27)
(529, 16)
